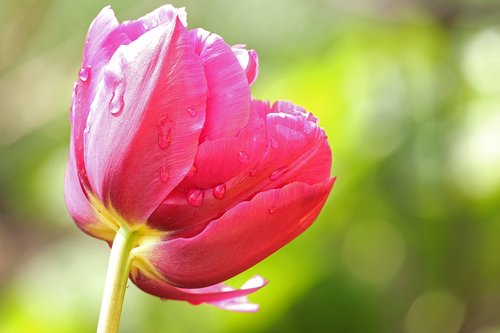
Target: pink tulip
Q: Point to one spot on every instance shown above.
(167, 141)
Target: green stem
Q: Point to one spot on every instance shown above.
(116, 281)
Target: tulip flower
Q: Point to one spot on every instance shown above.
(189, 179)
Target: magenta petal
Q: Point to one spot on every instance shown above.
(280, 145)
(77, 203)
(239, 239)
(249, 61)
(145, 122)
(103, 39)
(228, 103)
(219, 295)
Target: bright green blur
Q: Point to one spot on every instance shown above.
(409, 240)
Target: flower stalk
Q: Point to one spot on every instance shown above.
(116, 281)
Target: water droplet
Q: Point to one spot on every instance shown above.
(281, 115)
(195, 197)
(116, 104)
(307, 128)
(192, 112)
(254, 138)
(164, 128)
(87, 128)
(164, 174)
(145, 25)
(272, 209)
(252, 172)
(243, 157)
(275, 143)
(219, 191)
(277, 173)
(84, 73)
(154, 23)
(192, 171)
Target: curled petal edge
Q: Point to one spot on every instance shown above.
(219, 295)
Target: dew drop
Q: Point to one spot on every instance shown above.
(145, 25)
(116, 104)
(281, 115)
(272, 209)
(307, 128)
(275, 143)
(154, 23)
(164, 174)
(192, 171)
(87, 128)
(84, 73)
(254, 138)
(195, 197)
(164, 128)
(192, 112)
(252, 172)
(243, 157)
(277, 173)
(219, 191)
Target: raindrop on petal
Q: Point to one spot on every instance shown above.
(164, 128)
(192, 112)
(154, 23)
(275, 143)
(195, 197)
(281, 115)
(252, 172)
(145, 25)
(243, 157)
(164, 174)
(272, 209)
(277, 173)
(307, 128)
(219, 191)
(116, 104)
(84, 73)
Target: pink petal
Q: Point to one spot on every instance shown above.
(103, 39)
(77, 203)
(281, 145)
(228, 104)
(249, 61)
(145, 121)
(219, 295)
(239, 239)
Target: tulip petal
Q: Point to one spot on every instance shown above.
(145, 121)
(103, 39)
(243, 236)
(78, 204)
(249, 61)
(282, 144)
(228, 103)
(219, 295)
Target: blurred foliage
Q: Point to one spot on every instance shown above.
(408, 92)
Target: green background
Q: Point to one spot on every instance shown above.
(409, 240)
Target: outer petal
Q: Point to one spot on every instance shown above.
(249, 61)
(242, 237)
(219, 295)
(228, 104)
(103, 39)
(279, 146)
(144, 124)
(78, 205)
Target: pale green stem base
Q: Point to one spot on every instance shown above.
(116, 281)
